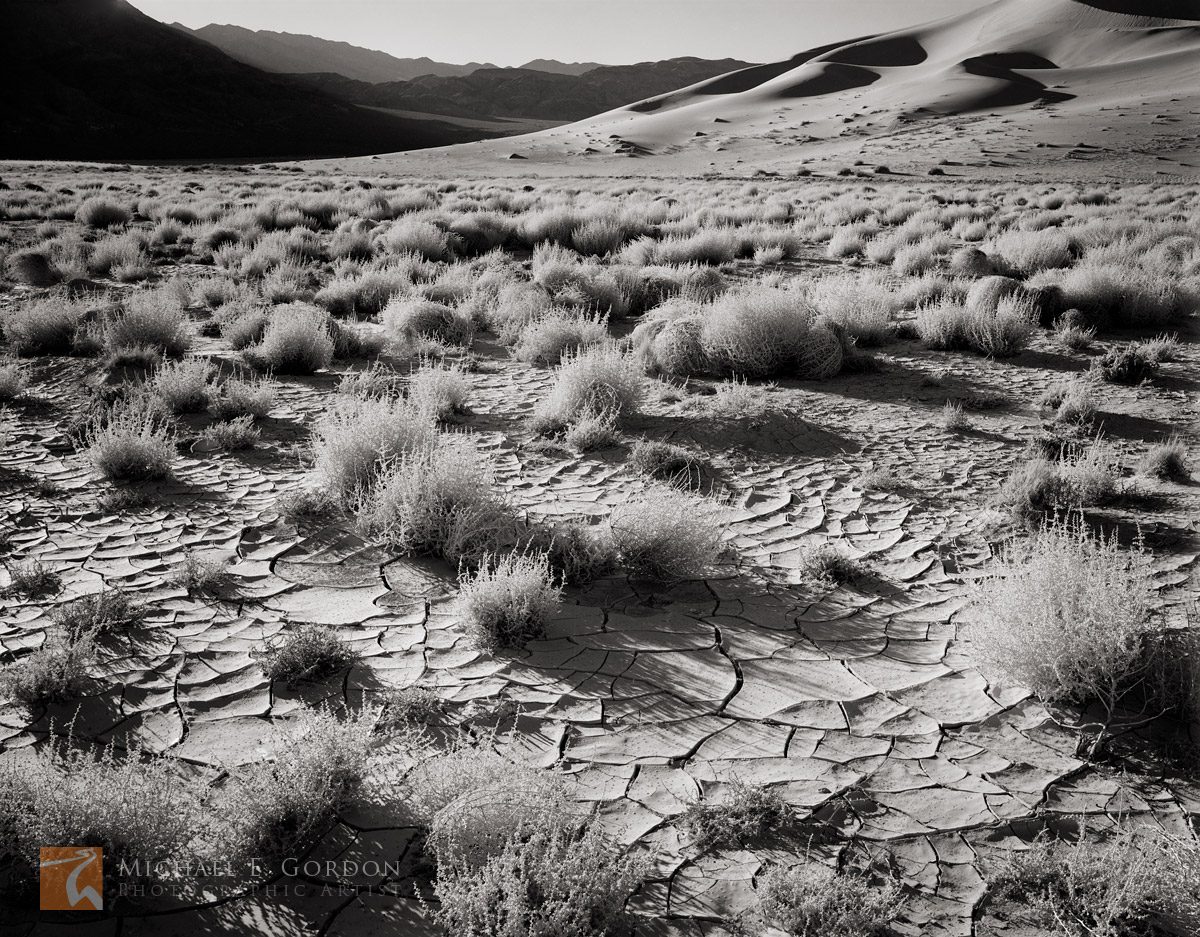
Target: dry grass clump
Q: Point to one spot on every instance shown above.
(439, 392)
(55, 672)
(953, 418)
(813, 900)
(440, 500)
(1066, 614)
(135, 806)
(32, 268)
(1128, 882)
(546, 339)
(666, 461)
(1073, 337)
(1076, 480)
(508, 600)
(577, 552)
(597, 380)
(861, 306)
(593, 432)
(295, 341)
(666, 534)
(232, 435)
(107, 612)
(1167, 460)
(131, 442)
(755, 332)
(150, 319)
(99, 212)
(1161, 348)
(1124, 296)
(410, 320)
(33, 580)
(236, 398)
(744, 813)
(275, 808)
(46, 326)
(200, 576)
(306, 653)
(1000, 333)
(183, 386)
(1131, 364)
(357, 438)
(826, 566)
(1073, 402)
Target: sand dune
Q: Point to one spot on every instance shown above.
(1044, 69)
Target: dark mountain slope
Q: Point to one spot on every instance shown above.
(97, 79)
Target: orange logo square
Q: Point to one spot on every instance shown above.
(72, 878)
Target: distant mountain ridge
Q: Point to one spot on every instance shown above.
(519, 92)
(292, 52)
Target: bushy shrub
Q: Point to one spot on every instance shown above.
(666, 534)
(592, 432)
(1078, 480)
(1166, 460)
(132, 442)
(577, 552)
(546, 339)
(55, 672)
(150, 319)
(233, 434)
(813, 900)
(183, 386)
(235, 398)
(666, 461)
(99, 212)
(44, 326)
(411, 319)
(440, 393)
(356, 438)
(306, 653)
(274, 808)
(440, 500)
(826, 566)
(1005, 332)
(107, 612)
(601, 379)
(13, 380)
(755, 332)
(862, 306)
(508, 600)
(1128, 365)
(296, 340)
(742, 814)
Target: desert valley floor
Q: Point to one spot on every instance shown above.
(851, 691)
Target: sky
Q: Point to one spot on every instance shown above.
(612, 32)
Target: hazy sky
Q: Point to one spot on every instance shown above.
(616, 32)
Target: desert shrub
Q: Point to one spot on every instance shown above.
(13, 380)
(1073, 337)
(305, 504)
(236, 398)
(439, 393)
(183, 386)
(441, 500)
(1005, 332)
(244, 329)
(1039, 485)
(275, 808)
(740, 400)
(43, 327)
(665, 534)
(943, 327)
(1166, 460)
(1161, 348)
(121, 255)
(862, 306)
(953, 418)
(356, 438)
(1027, 252)
(410, 319)
(150, 319)
(409, 708)
(135, 806)
(971, 262)
(1065, 614)
(1128, 365)
(666, 461)
(592, 432)
(107, 612)
(233, 434)
(755, 332)
(306, 653)
(577, 552)
(813, 900)
(673, 346)
(99, 212)
(743, 813)
(601, 379)
(547, 338)
(55, 672)
(1122, 884)
(422, 238)
(131, 442)
(508, 600)
(296, 340)
(601, 236)
(32, 267)
(33, 580)
(553, 881)
(375, 380)
(1126, 296)
(825, 566)
(200, 576)
(351, 341)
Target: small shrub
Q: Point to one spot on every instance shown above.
(237, 398)
(150, 319)
(200, 576)
(108, 612)
(411, 319)
(508, 601)
(33, 580)
(305, 504)
(743, 814)
(598, 380)
(277, 808)
(12, 380)
(439, 393)
(307, 653)
(1073, 402)
(592, 432)
(356, 438)
(545, 340)
(102, 213)
(665, 534)
(440, 500)
(53, 673)
(295, 341)
(183, 386)
(1004, 333)
(1073, 337)
(757, 332)
(827, 567)
(1161, 348)
(131, 442)
(813, 900)
(953, 418)
(1128, 365)
(666, 461)
(43, 327)
(236, 434)
(577, 552)
(1166, 460)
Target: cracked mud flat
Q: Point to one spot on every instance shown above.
(857, 704)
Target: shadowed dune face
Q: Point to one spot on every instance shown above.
(884, 52)
(831, 78)
(1167, 9)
